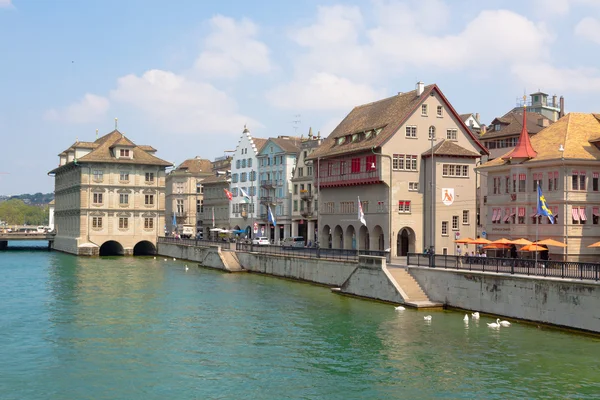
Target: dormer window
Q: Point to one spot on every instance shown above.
(341, 140)
(124, 153)
(497, 127)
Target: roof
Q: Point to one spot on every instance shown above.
(465, 117)
(523, 148)
(101, 152)
(289, 144)
(123, 142)
(145, 147)
(449, 148)
(512, 124)
(381, 119)
(575, 131)
(215, 179)
(195, 165)
(259, 143)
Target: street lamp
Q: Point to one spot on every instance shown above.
(566, 189)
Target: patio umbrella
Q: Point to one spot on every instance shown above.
(497, 246)
(597, 244)
(521, 242)
(480, 241)
(551, 242)
(465, 240)
(216, 230)
(533, 247)
(502, 241)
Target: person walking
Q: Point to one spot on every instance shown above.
(459, 255)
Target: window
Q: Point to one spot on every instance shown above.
(237, 164)
(440, 111)
(97, 198)
(148, 223)
(521, 215)
(300, 172)
(199, 188)
(537, 180)
(149, 177)
(179, 187)
(404, 206)
(455, 222)
(329, 207)
(234, 178)
(97, 222)
(249, 163)
(124, 176)
(465, 219)
(98, 175)
(347, 207)
(575, 181)
(514, 183)
(180, 206)
(309, 171)
(451, 134)
(398, 161)
(507, 184)
(551, 182)
(301, 205)
(124, 153)
(431, 132)
(411, 131)
(198, 206)
(578, 215)
(424, 110)
(295, 205)
(444, 228)
(149, 199)
(522, 183)
(123, 223)
(371, 163)
(595, 215)
(413, 186)
(123, 198)
(295, 189)
(582, 180)
(355, 166)
(381, 206)
(243, 177)
(455, 170)
(595, 181)
(244, 163)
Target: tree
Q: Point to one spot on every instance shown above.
(16, 212)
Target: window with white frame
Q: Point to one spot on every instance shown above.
(97, 222)
(431, 132)
(411, 131)
(123, 198)
(444, 228)
(149, 199)
(180, 206)
(451, 134)
(424, 110)
(97, 198)
(465, 217)
(149, 178)
(404, 206)
(123, 223)
(124, 176)
(455, 222)
(98, 175)
(440, 111)
(413, 186)
(148, 223)
(455, 171)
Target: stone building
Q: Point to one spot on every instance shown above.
(216, 204)
(415, 144)
(109, 197)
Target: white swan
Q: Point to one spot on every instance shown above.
(155, 258)
(466, 318)
(165, 259)
(186, 268)
(504, 323)
(475, 315)
(427, 318)
(174, 259)
(494, 324)
(399, 308)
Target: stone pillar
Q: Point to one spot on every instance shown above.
(294, 228)
(287, 230)
(310, 231)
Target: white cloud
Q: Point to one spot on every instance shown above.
(5, 3)
(552, 78)
(589, 28)
(89, 109)
(558, 8)
(232, 49)
(322, 91)
(180, 105)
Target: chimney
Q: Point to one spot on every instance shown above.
(420, 88)
(554, 101)
(543, 122)
(477, 117)
(562, 107)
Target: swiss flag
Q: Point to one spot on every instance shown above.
(228, 194)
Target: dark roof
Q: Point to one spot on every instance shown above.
(195, 166)
(259, 143)
(383, 118)
(123, 142)
(465, 117)
(512, 123)
(449, 148)
(215, 179)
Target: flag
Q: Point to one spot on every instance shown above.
(174, 222)
(244, 195)
(361, 214)
(272, 217)
(213, 210)
(542, 207)
(228, 194)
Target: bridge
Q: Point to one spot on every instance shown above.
(25, 237)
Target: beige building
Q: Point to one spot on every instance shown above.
(305, 199)
(110, 197)
(563, 159)
(389, 144)
(185, 194)
(216, 204)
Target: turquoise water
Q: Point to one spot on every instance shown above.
(139, 328)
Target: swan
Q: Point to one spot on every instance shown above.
(466, 318)
(475, 315)
(504, 323)
(427, 318)
(155, 258)
(494, 324)
(174, 259)
(399, 308)
(165, 259)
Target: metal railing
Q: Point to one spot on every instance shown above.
(311, 252)
(513, 266)
(195, 242)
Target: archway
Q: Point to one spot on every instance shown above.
(111, 248)
(350, 238)
(248, 232)
(377, 239)
(364, 241)
(337, 241)
(325, 239)
(144, 248)
(405, 242)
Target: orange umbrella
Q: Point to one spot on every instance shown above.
(480, 241)
(502, 241)
(521, 242)
(597, 244)
(533, 247)
(497, 246)
(551, 242)
(465, 240)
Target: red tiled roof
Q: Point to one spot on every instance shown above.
(523, 149)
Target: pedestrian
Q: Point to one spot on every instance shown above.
(459, 255)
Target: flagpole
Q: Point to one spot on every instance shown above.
(537, 226)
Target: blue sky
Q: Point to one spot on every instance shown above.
(185, 76)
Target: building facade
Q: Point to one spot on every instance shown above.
(305, 200)
(244, 179)
(393, 154)
(216, 204)
(109, 197)
(563, 160)
(276, 162)
(185, 194)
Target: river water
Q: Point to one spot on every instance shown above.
(140, 328)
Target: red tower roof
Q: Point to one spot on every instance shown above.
(523, 149)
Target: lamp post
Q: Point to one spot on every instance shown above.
(566, 189)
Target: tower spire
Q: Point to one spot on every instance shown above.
(523, 149)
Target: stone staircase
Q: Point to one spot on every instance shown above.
(415, 296)
(230, 261)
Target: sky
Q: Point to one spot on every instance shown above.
(185, 76)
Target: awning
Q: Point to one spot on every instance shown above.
(582, 215)
(575, 214)
(521, 212)
(595, 212)
(595, 174)
(495, 215)
(507, 218)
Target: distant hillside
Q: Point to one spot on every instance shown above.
(33, 199)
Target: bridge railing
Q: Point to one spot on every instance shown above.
(194, 242)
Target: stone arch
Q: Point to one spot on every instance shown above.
(112, 248)
(337, 241)
(405, 242)
(325, 239)
(144, 248)
(364, 241)
(350, 237)
(377, 239)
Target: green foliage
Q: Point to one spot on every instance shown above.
(36, 198)
(16, 212)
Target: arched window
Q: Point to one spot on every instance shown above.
(432, 132)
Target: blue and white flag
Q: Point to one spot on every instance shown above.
(361, 214)
(244, 195)
(272, 217)
(542, 207)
